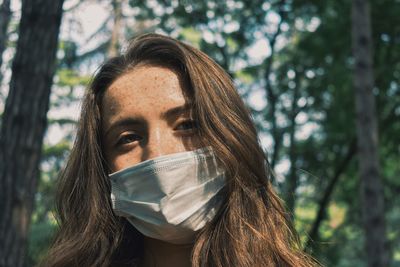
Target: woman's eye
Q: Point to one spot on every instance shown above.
(128, 138)
(187, 125)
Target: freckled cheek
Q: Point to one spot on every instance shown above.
(118, 161)
(124, 161)
(184, 143)
(191, 142)
(115, 160)
(174, 144)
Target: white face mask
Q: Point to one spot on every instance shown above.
(170, 197)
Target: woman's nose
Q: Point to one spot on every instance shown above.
(161, 141)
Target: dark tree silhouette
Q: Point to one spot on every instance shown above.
(367, 137)
(5, 16)
(24, 123)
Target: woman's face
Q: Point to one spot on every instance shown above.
(145, 115)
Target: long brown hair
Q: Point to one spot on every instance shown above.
(251, 228)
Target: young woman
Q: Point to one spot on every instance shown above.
(166, 170)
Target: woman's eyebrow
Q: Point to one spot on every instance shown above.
(124, 123)
(173, 112)
(131, 121)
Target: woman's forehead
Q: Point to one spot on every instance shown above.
(146, 89)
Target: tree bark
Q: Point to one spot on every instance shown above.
(371, 190)
(113, 49)
(5, 16)
(24, 123)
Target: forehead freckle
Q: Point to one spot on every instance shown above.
(149, 90)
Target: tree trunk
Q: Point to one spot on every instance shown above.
(291, 183)
(113, 49)
(367, 138)
(5, 16)
(24, 123)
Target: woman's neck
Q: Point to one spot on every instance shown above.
(158, 253)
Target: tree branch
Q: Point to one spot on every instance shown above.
(323, 203)
(272, 97)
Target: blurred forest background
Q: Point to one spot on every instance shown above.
(291, 61)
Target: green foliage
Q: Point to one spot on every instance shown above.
(71, 78)
(191, 35)
(41, 235)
